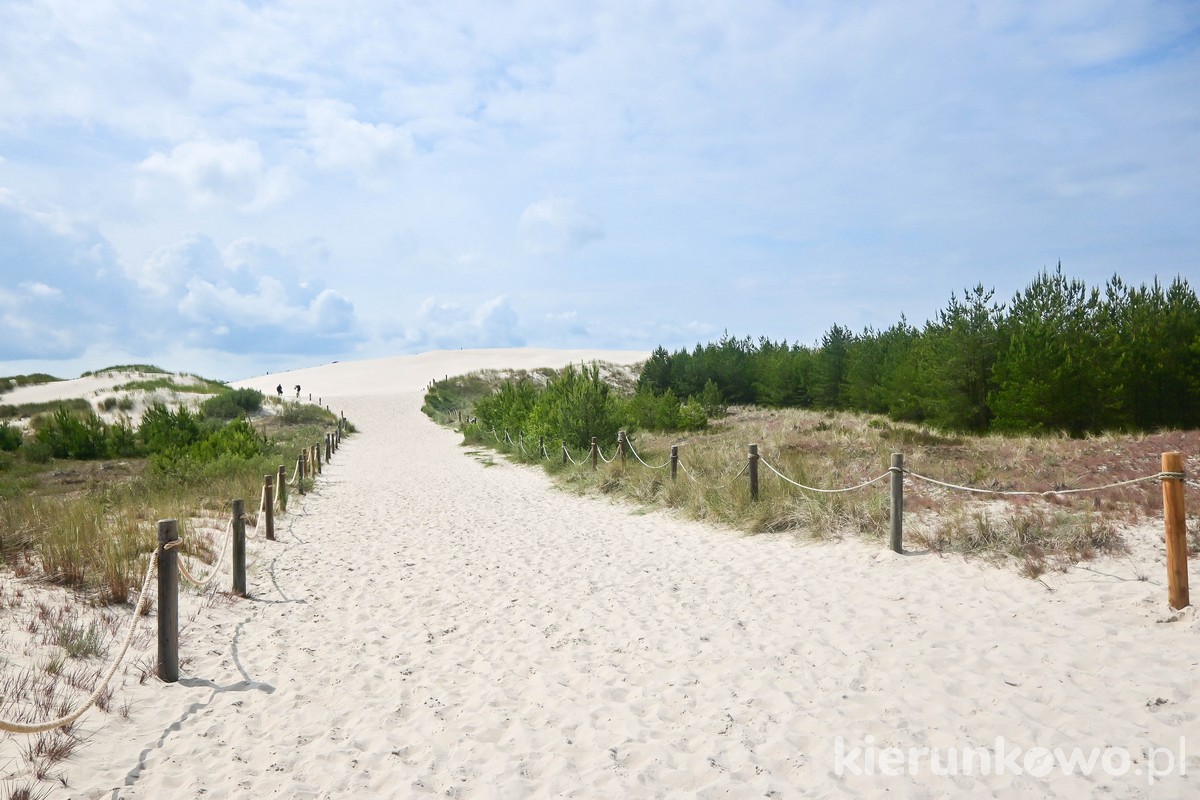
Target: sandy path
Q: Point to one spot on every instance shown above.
(428, 625)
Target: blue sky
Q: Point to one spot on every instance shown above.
(234, 187)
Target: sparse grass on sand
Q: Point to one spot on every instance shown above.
(832, 450)
(79, 534)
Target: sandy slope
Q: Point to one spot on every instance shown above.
(428, 625)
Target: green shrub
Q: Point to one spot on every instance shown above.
(229, 447)
(575, 406)
(654, 412)
(73, 435)
(10, 437)
(508, 409)
(36, 452)
(122, 441)
(232, 404)
(163, 430)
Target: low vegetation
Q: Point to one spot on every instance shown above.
(78, 495)
(829, 450)
(79, 502)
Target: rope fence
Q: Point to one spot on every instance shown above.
(164, 560)
(1172, 477)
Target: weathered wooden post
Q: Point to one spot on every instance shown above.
(300, 459)
(593, 452)
(168, 601)
(269, 505)
(674, 460)
(622, 444)
(753, 469)
(317, 457)
(897, 477)
(281, 489)
(328, 448)
(239, 548)
(1176, 524)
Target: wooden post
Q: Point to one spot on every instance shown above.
(328, 448)
(622, 443)
(239, 548)
(269, 505)
(897, 476)
(593, 452)
(168, 601)
(674, 460)
(281, 489)
(317, 457)
(753, 468)
(1176, 524)
(300, 471)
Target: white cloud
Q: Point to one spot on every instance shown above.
(448, 325)
(372, 152)
(249, 298)
(60, 285)
(39, 289)
(557, 225)
(220, 173)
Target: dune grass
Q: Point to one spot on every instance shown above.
(91, 527)
(833, 450)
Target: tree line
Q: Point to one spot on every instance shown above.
(1059, 356)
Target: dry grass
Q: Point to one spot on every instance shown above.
(836, 450)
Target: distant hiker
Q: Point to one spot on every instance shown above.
(279, 390)
(297, 391)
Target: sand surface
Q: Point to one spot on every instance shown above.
(429, 625)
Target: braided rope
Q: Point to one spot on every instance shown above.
(570, 458)
(143, 598)
(262, 506)
(688, 472)
(216, 566)
(602, 458)
(1049, 492)
(727, 484)
(822, 491)
(741, 472)
(639, 458)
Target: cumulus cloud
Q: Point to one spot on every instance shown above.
(557, 225)
(219, 173)
(64, 293)
(61, 286)
(371, 151)
(248, 298)
(448, 325)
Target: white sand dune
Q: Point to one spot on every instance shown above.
(427, 625)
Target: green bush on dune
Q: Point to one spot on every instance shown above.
(576, 404)
(232, 404)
